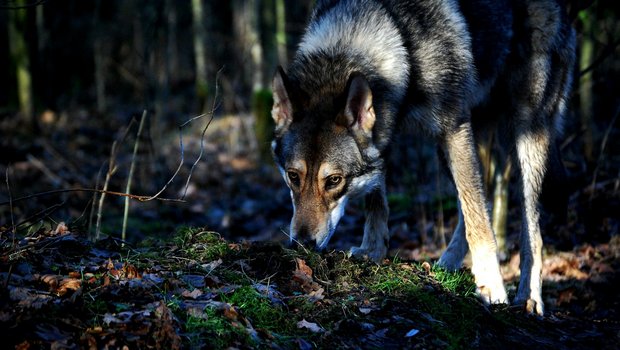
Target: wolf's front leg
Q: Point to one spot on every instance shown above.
(376, 234)
(462, 159)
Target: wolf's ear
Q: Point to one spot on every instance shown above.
(282, 110)
(359, 115)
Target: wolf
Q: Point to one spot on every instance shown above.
(448, 68)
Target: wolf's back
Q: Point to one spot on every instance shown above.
(427, 59)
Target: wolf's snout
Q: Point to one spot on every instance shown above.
(303, 234)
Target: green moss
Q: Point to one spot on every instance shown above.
(234, 277)
(259, 310)
(214, 331)
(201, 244)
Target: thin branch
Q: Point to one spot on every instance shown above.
(83, 213)
(182, 148)
(8, 188)
(130, 176)
(108, 176)
(92, 190)
(94, 200)
(602, 152)
(204, 130)
(111, 170)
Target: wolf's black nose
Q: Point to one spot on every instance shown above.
(303, 233)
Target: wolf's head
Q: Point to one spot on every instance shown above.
(325, 152)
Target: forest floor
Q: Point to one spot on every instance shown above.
(173, 284)
(198, 290)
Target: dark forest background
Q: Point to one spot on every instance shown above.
(79, 76)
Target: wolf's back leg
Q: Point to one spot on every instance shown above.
(532, 152)
(453, 257)
(464, 165)
(541, 83)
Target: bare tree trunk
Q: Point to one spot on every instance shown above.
(200, 37)
(42, 36)
(586, 58)
(267, 29)
(20, 57)
(246, 30)
(281, 32)
(99, 60)
(171, 45)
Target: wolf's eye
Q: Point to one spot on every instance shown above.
(293, 177)
(333, 181)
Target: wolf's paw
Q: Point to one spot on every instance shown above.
(375, 255)
(492, 295)
(532, 306)
(489, 283)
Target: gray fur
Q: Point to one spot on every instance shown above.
(447, 68)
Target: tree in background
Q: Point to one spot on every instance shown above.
(17, 25)
(99, 56)
(586, 58)
(200, 54)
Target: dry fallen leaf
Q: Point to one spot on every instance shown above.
(51, 280)
(302, 278)
(564, 266)
(230, 313)
(311, 326)
(130, 271)
(69, 284)
(61, 229)
(209, 267)
(303, 267)
(193, 294)
(166, 335)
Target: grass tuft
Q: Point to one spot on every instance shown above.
(201, 244)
